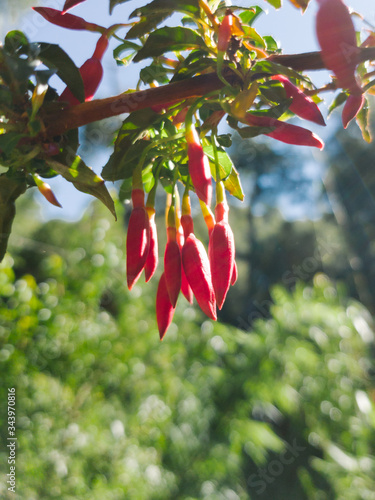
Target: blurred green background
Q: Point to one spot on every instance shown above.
(274, 401)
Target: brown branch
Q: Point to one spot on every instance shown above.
(88, 112)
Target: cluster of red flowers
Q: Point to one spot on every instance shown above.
(187, 267)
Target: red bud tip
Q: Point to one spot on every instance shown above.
(197, 269)
(187, 224)
(302, 105)
(47, 192)
(164, 308)
(352, 107)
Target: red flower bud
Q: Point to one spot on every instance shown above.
(302, 105)
(337, 39)
(352, 107)
(285, 132)
(164, 308)
(197, 269)
(221, 254)
(66, 20)
(47, 192)
(91, 72)
(225, 33)
(138, 240)
(199, 167)
(172, 266)
(153, 255)
(69, 4)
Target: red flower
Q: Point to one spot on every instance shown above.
(138, 239)
(164, 308)
(221, 252)
(91, 72)
(197, 269)
(153, 254)
(69, 21)
(172, 266)
(285, 132)
(302, 105)
(225, 33)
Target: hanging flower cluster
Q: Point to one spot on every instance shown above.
(170, 137)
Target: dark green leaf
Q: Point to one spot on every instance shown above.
(125, 47)
(169, 40)
(276, 69)
(145, 25)
(54, 57)
(113, 3)
(9, 141)
(122, 162)
(154, 72)
(84, 179)
(168, 7)
(300, 4)
(16, 42)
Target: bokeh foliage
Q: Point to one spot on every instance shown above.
(106, 411)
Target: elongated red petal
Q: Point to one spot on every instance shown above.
(302, 105)
(172, 270)
(197, 269)
(69, 4)
(285, 132)
(221, 254)
(337, 39)
(65, 20)
(153, 254)
(352, 107)
(185, 287)
(137, 244)
(164, 308)
(225, 33)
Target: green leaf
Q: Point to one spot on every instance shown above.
(249, 16)
(276, 69)
(363, 121)
(145, 25)
(338, 100)
(122, 161)
(254, 35)
(16, 42)
(154, 72)
(113, 3)
(84, 179)
(169, 40)
(275, 3)
(168, 7)
(271, 43)
(225, 163)
(55, 57)
(9, 141)
(124, 47)
(233, 185)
